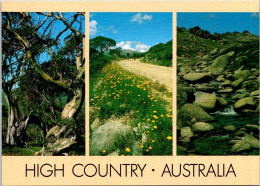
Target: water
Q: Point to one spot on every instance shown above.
(217, 141)
(226, 111)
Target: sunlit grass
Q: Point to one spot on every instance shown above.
(123, 94)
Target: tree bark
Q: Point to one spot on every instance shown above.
(16, 126)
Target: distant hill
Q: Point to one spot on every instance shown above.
(124, 53)
(160, 54)
(197, 44)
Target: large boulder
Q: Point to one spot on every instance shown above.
(205, 100)
(186, 134)
(190, 111)
(240, 147)
(202, 127)
(109, 136)
(220, 63)
(245, 103)
(241, 74)
(197, 77)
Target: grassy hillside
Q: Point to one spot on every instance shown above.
(195, 44)
(160, 54)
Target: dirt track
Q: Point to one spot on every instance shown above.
(154, 72)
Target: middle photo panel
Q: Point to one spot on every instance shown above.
(130, 85)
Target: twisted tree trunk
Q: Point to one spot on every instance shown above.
(16, 126)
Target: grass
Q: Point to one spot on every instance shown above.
(123, 94)
(20, 151)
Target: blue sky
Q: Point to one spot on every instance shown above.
(220, 22)
(136, 31)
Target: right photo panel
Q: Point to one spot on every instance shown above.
(218, 84)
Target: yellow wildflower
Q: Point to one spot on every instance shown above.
(169, 138)
(104, 151)
(127, 149)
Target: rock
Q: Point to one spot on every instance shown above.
(96, 123)
(254, 93)
(237, 82)
(196, 77)
(222, 102)
(220, 63)
(241, 74)
(214, 51)
(256, 73)
(115, 153)
(226, 90)
(190, 111)
(252, 141)
(253, 127)
(239, 96)
(251, 77)
(186, 134)
(245, 103)
(193, 120)
(250, 85)
(240, 133)
(205, 100)
(226, 83)
(230, 128)
(220, 78)
(202, 127)
(240, 146)
(241, 91)
(109, 136)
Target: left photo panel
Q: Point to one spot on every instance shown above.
(43, 84)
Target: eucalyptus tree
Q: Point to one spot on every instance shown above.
(52, 45)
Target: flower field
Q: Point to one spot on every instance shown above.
(142, 105)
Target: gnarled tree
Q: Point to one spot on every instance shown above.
(41, 42)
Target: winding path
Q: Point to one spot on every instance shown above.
(161, 74)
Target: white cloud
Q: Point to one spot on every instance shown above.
(112, 29)
(140, 18)
(255, 14)
(142, 47)
(93, 27)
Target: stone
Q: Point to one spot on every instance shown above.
(186, 134)
(239, 96)
(251, 140)
(96, 123)
(190, 111)
(237, 82)
(245, 103)
(240, 146)
(115, 153)
(226, 83)
(253, 127)
(220, 63)
(226, 90)
(230, 128)
(220, 78)
(241, 74)
(250, 85)
(222, 102)
(205, 100)
(202, 127)
(108, 136)
(241, 91)
(255, 93)
(196, 77)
